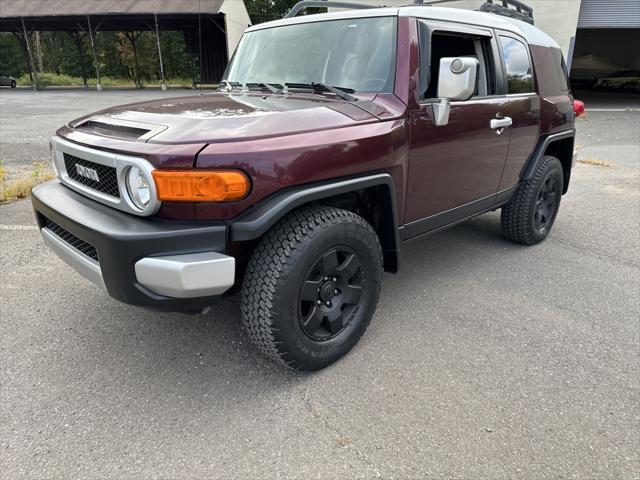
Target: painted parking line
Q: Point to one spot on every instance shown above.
(612, 110)
(18, 227)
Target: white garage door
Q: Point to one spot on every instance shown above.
(609, 14)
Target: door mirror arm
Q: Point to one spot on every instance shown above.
(440, 112)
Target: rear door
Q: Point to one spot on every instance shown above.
(455, 170)
(523, 108)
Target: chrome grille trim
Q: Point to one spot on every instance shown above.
(105, 180)
(121, 163)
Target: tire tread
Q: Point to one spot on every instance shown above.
(514, 218)
(278, 250)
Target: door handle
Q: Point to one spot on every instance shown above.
(497, 123)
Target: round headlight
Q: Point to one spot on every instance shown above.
(138, 187)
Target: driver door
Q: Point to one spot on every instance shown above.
(455, 169)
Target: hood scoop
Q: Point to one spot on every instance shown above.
(122, 129)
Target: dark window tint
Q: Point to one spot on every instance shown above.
(560, 68)
(518, 64)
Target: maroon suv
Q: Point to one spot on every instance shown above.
(334, 138)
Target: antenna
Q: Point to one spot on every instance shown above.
(200, 44)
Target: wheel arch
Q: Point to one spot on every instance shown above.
(372, 197)
(559, 145)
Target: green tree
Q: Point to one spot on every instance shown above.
(12, 59)
(266, 10)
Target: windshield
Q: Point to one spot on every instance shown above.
(357, 54)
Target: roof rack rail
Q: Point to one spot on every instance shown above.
(520, 11)
(323, 4)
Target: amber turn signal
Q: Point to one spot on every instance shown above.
(201, 185)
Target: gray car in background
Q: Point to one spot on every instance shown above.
(7, 81)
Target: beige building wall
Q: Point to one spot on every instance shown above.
(558, 18)
(237, 20)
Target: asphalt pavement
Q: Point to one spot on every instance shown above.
(485, 359)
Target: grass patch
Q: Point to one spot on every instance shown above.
(595, 161)
(47, 79)
(20, 187)
(344, 440)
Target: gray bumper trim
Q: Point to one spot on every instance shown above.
(82, 264)
(185, 276)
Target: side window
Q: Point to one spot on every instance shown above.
(439, 44)
(518, 65)
(561, 69)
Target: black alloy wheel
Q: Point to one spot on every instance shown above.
(331, 293)
(311, 286)
(532, 210)
(546, 204)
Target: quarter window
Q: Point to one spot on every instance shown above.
(518, 65)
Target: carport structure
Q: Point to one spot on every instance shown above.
(211, 28)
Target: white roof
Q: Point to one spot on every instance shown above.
(470, 17)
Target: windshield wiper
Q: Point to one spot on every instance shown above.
(268, 86)
(338, 91)
(229, 85)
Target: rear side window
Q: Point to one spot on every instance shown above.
(560, 69)
(518, 65)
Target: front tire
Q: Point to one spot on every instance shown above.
(312, 286)
(531, 212)
(13, 84)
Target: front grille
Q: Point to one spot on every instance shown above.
(112, 130)
(83, 247)
(107, 178)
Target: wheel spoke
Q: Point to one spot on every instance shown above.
(351, 295)
(314, 319)
(310, 290)
(330, 262)
(349, 267)
(335, 318)
(549, 184)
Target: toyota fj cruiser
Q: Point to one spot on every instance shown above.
(333, 139)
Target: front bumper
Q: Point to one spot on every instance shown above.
(155, 263)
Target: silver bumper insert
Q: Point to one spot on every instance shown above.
(177, 276)
(185, 276)
(85, 266)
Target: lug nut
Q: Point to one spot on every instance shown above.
(335, 292)
(328, 304)
(318, 302)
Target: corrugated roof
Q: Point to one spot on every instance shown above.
(45, 8)
(609, 14)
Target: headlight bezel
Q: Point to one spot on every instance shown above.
(139, 195)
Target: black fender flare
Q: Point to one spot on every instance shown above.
(260, 218)
(541, 147)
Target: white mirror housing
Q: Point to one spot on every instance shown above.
(457, 78)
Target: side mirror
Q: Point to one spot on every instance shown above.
(456, 81)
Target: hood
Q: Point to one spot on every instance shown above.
(224, 117)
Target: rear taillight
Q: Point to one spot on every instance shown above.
(578, 107)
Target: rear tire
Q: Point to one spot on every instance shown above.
(531, 212)
(312, 286)
(13, 84)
